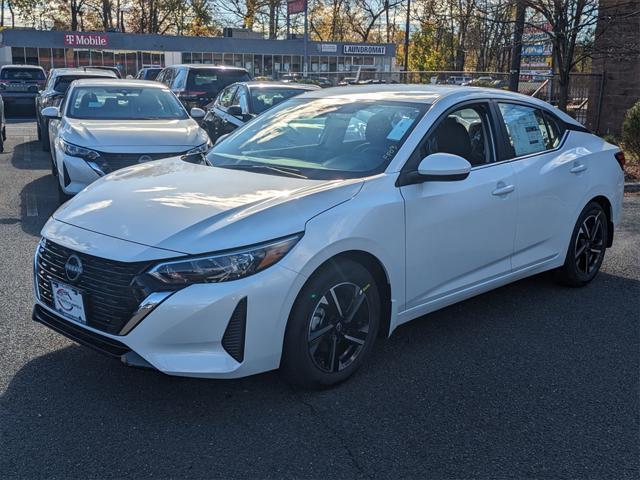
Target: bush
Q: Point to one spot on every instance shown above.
(631, 131)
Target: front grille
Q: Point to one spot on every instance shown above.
(108, 346)
(109, 162)
(108, 294)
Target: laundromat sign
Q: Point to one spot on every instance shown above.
(85, 40)
(365, 50)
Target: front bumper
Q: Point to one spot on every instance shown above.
(195, 331)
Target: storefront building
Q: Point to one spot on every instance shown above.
(131, 52)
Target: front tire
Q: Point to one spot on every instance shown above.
(587, 247)
(333, 325)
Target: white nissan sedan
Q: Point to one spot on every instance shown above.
(103, 125)
(323, 224)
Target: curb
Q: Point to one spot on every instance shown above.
(632, 187)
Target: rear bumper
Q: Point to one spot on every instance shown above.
(19, 97)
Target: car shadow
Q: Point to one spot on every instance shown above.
(38, 201)
(27, 153)
(532, 368)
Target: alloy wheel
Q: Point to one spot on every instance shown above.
(339, 327)
(589, 245)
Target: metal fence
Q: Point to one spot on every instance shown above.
(583, 99)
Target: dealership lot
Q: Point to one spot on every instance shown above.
(529, 380)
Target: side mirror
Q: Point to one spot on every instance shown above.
(444, 167)
(236, 111)
(437, 167)
(197, 113)
(220, 138)
(50, 112)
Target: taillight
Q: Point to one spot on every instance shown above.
(3, 84)
(620, 159)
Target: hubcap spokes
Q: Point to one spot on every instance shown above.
(589, 245)
(339, 327)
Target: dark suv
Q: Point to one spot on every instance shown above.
(198, 85)
(19, 84)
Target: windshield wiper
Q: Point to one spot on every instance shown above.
(287, 171)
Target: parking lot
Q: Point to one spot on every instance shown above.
(530, 380)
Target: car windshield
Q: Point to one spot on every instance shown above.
(22, 74)
(324, 138)
(213, 79)
(62, 83)
(264, 98)
(126, 103)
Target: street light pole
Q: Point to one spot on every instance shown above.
(516, 51)
(406, 38)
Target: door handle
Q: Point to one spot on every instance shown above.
(503, 190)
(578, 167)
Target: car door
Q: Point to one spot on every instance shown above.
(459, 234)
(551, 183)
(217, 124)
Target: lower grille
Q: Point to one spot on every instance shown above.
(109, 162)
(233, 339)
(104, 345)
(109, 296)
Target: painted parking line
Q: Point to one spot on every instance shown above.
(32, 205)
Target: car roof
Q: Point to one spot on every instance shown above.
(22, 66)
(97, 72)
(421, 93)
(273, 84)
(100, 82)
(207, 65)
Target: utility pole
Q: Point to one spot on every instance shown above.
(516, 50)
(406, 38)
(305, 67)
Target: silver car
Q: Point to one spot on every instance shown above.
(104, 125)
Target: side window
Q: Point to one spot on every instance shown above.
(226, 97)
(465, 132)
(241, 99)
(529, 130)
(179, 79)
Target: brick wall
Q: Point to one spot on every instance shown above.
(617, 58)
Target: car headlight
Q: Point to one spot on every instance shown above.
(76, 151)
(224, 267)
(204, 148)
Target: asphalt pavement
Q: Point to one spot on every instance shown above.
(532, 380)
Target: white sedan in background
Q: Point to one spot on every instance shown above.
(329, 220)
(104, 125)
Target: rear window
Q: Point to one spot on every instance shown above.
(22, 74)
(62, 83)
(214, 80)
(265, 98)
(152, 73)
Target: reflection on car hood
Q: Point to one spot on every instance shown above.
(147, 135)
(192, 209)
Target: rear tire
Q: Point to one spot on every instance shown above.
(586, 248)
(44, 138)
(333, 325)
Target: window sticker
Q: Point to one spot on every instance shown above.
(400, 129)
(524, 130)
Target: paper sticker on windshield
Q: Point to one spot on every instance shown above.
(400, 129)
(94, 104)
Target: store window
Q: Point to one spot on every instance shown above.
(58, 58)
(257, 66)
(286, 63)
(96, 57)
(44, 58)
(315, 63)
(228, 59)
(31, 56)
(217, 59)
(207, 57)
(82, 58)
(196, 57)
(296, 64)
(107, 58)
(186, 57)
(268, 65)
(17, 55)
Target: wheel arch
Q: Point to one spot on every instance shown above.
(604, 202)
(380, 274)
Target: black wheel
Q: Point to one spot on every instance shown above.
(333, 325)
(44, 139)
(62, 197)
(54, 168)
(587, 247)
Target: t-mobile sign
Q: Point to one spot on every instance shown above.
(85, 40)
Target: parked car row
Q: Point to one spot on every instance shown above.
(94, 123)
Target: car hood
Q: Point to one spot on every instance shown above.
(152, 135)
(191, 209)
